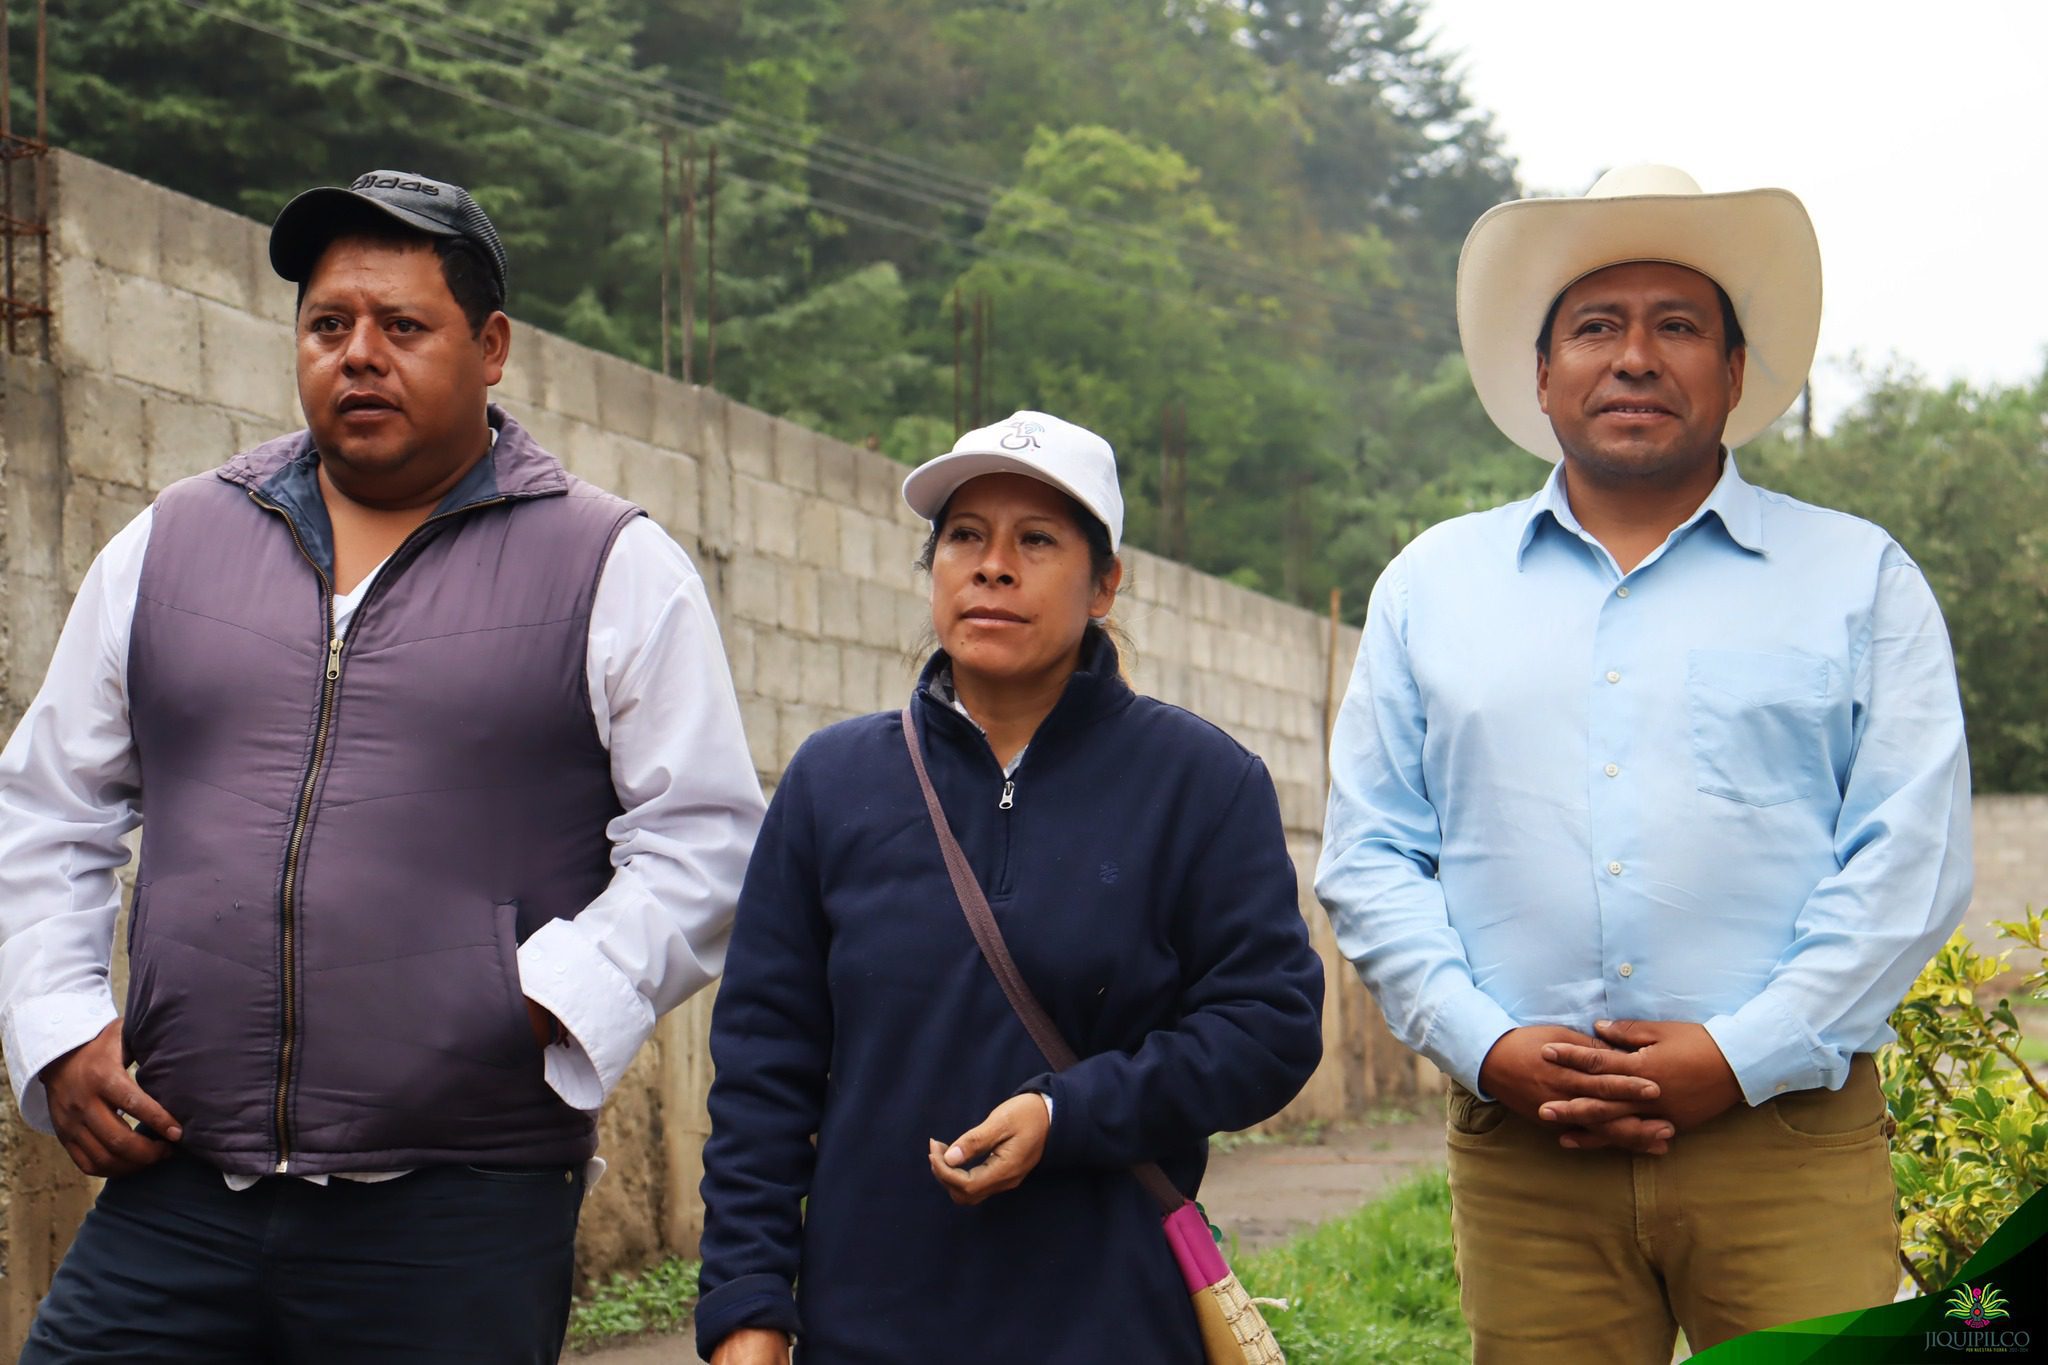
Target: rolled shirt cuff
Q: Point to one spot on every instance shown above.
(1462, 1031)
(1771, 1052)
(606, 1019)
(750, 1301)
(42, 1028)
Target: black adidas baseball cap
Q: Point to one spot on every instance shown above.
(434, 207)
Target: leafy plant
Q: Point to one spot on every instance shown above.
(1972, 1115)
(658, 1299)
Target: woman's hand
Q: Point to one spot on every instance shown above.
(752, 1346)
(1012, 1138)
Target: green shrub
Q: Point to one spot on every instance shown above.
(1972, 1114)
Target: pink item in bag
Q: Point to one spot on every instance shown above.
(1194, 1248)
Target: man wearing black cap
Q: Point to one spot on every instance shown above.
(446, 801)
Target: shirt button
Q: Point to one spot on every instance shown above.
(1780, 1088)
(1621, 591)
(1628, 969)
(1613, 676)
(1613, 770)
(1614, 868)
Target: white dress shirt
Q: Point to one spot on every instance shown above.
(662, 697)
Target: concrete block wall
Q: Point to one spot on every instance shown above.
(2012, 862)
(171, 348)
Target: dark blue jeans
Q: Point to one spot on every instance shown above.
(451, 1263)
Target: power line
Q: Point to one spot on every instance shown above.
(769, 188)
(843, 158)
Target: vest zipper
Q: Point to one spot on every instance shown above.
(287, 905)
(330, 685)
(1009, 795)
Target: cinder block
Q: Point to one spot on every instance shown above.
(625, 397)
(773, 518)
(752, 588)
(153, 334)
(246, 363)
(270, 298)
(206, 251)
(589, 452)
(519, 390)
(856, 543)
(717, 520)
(78, 299)
(93, 512)
(184, 438)
(817, 533)
(569, 380)
(679, 417)
(778, 663)
(749, 440)
(889, 619)
(797, 600)
(647, 477)
(838, 606)
(34, 612)
(757, 716)
(107, 215)
(251, 432)
(685, 507)
(738, 638)
(878, 484)
(820, 672)
(796, 455)
(838, 466)
(104, 434)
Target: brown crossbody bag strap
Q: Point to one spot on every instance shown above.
(996, 953)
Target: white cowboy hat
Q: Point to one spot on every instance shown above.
(1758, 245)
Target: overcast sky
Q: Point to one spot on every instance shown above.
(1916, 134)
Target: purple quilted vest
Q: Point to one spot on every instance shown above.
(344, 843)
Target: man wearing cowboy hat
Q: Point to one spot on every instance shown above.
(1650, 798)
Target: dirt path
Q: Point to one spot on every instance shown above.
(1261, 1191)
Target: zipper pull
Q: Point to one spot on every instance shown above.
(1009, 795)
(334, 658)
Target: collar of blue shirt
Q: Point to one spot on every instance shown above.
(1734, 505)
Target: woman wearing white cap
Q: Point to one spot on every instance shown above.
(895, 1172)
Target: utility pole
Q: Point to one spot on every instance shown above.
(665, 248)
(689, 270)
(711, 272)
(958, 328)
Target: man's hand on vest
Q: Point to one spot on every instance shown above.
(546, 1030)
(1694, 1079)
(1521, 1073)
(89, 1090)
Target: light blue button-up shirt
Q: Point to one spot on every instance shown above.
(1727, 787)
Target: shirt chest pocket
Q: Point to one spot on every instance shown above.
(1759, 724)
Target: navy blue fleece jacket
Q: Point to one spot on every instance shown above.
(1142, 880)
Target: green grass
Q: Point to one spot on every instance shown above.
(658, 1299)
(1378, 1284)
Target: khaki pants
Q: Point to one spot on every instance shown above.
(1763, 1216)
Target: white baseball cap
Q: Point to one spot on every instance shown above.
(1072, 459)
